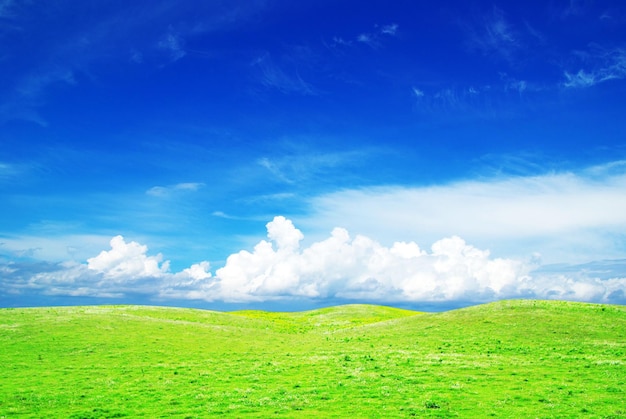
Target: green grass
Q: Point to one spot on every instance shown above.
(516, 359)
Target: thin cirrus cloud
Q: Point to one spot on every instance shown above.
(167, 191)
(301, 165)
(495, 35)
(478, 100)
(599, 66)
(152, 34)
(337, 267)
(173, 43)
(275, 77)
(7, 171)
(374, 39)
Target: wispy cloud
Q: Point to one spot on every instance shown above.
(173, 43)
(447, 102)
(273, 76)
(600, 65)
(9, 11)
(7, 171)
(27, 94)
(166, 191)
(275, 169)
(222, 214)
(417, 92)
(574, 8)
(281, 196)
(6, 7)
(504, 97)
(50, 243)
(100, 37)
(302, 165)
(374, 38)
(391, 29)
(495, 35)
(368, 39)
(339, 41)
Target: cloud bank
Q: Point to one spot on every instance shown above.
(569, 216)
(339, 267)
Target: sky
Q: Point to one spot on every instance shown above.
(289, 155)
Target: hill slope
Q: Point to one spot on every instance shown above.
(506, 359)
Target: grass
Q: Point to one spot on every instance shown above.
(507, 359)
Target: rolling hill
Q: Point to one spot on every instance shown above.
(513, 359)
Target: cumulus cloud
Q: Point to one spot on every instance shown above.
(338, 267)
(125, 269)
(359, 268)
(127, 261)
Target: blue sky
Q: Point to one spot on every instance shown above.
(282, 154)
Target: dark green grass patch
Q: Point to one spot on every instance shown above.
(507, 359)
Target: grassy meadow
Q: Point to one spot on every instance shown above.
(510, 359)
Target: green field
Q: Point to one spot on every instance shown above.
(515, 359)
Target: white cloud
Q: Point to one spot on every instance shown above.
(391, 29)
(174, 44)
(374, 39)
(339, 41)
(166, 191)
(127, 261)
(198, 271)
(417, 92)
(273, 76)
(569, 213)
(126, 269)
(284, 234)
(337, 267)
(300, 164)
(275, 169)
(565, 216)
(601, 66)
(54, 246)
(368, 39)
(8, 171)
(9, 10)
(580, 79)
(495, 35)
(360, 268)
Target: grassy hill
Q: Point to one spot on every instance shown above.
(507, 359)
